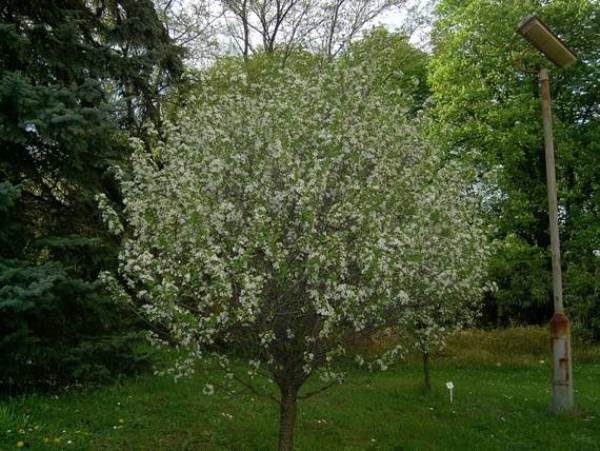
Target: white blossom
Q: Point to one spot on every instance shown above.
(208, 389)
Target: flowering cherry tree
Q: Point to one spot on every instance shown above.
(279, 219)
(448, 254)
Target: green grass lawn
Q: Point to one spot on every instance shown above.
(501, 401)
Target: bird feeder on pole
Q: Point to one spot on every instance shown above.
(542, 38)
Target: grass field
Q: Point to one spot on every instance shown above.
(501, 400)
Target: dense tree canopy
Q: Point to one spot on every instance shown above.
(74, 77)
(400, 67)
(484, 80)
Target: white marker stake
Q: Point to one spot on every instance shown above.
(450, 387)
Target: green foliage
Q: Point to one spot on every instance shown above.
(401, 68)
(229, 73)
(10, 228)
(484, 81)
(74, 76)
(56, 327)
(520, 269)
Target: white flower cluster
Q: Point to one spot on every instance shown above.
(109, 215)
(450, 253)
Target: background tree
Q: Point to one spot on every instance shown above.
(74, 76)
(450, 254)
(446, 296)
(400, 67)
(483, 77)
(194, 25)
(324, 27)
(276, 221)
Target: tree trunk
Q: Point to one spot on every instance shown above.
(499, 314)
(426, 373)
(287, 418)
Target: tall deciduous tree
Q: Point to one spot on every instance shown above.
(449, 257)
(324, 26)
(278, 219)
(194, 25)
(484, 80)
